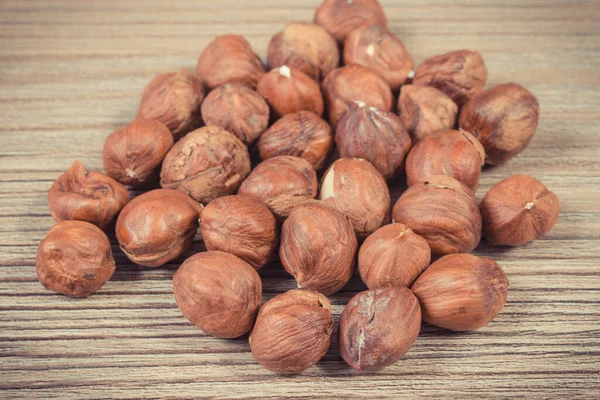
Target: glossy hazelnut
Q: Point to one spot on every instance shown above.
(444, 212)
(301, 134)
(517, 210)
(84, 195)
(393, 256)
(318, 246)
(207, 163)
(292, 331)
(461, 292)
(504, 119)
(74, 259)
(157, 226)
(378, 327)
(340, 17)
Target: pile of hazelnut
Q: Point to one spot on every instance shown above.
(318, 217)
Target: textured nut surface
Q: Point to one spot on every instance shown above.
(517, 210)
(74, 259)
(378, 327)
(340, 17)
(461, 292)
(292, 331)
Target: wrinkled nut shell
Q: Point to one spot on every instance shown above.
(340, 17)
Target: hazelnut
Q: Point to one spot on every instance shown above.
(376, 135)
(134, 153)
(504, 119)
(343, 86)
(393, 256)
(88, 196)
(460, 74)
(461, 292)
(340, 17)
(318, 246)
(444, 212)
(229, 59)
(454, 153)
(425, 110)
(301, 134)
(157, 226)
(354, 187)
(281, 183)
(219, 293)
(292, 331)
(74, 259)
(517, 210)
(378, 327)
(237, 109)
(207, 163)
(173, 99)
(240, 226)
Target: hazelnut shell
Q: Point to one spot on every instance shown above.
(340, 17)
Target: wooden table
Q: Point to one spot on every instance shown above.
(72, 71)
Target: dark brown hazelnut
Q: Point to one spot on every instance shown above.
(517, 210)
(461, 292)
(158, 226)
(378, 327)
(74, 259)
(292, 331)
(340, 17)
(504, 119)
(207, 163)
(444, 212)
(84, 195)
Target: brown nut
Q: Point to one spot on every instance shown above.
(460, 74)
(240, 226)
(84, 195)
(74, 259)
(173, 99)
(134, 153)
(237, 109)
(301, 134)
(393, 256)
(378, 327)
(281, 183)
(425, 110)
(461, 292)
(344, 86)
(504, 119)
(517, 210)
(376, 135)
(354, 187)
(318, 246)
(158, 226)
(292, 331)
(340, 17)
(444, 212)
(207, 163)
(454, 153)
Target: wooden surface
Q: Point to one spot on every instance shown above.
(72, 71)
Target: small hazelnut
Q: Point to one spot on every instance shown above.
(517, 210)
(504, 119)
(318, 246)
(292, 331)
(157, 226)
(354, 187)
(393, 256)
(376, 135)
(340, 17)
(84, 195)
(74, 259)
(378, 327)
(444, 212)
(173, 99)
(460, 74)
(281, 183)
(301, 134)
(207, 163)
(461, 292)
(237, 109)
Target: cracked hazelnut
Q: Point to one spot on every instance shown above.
(340, 17)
